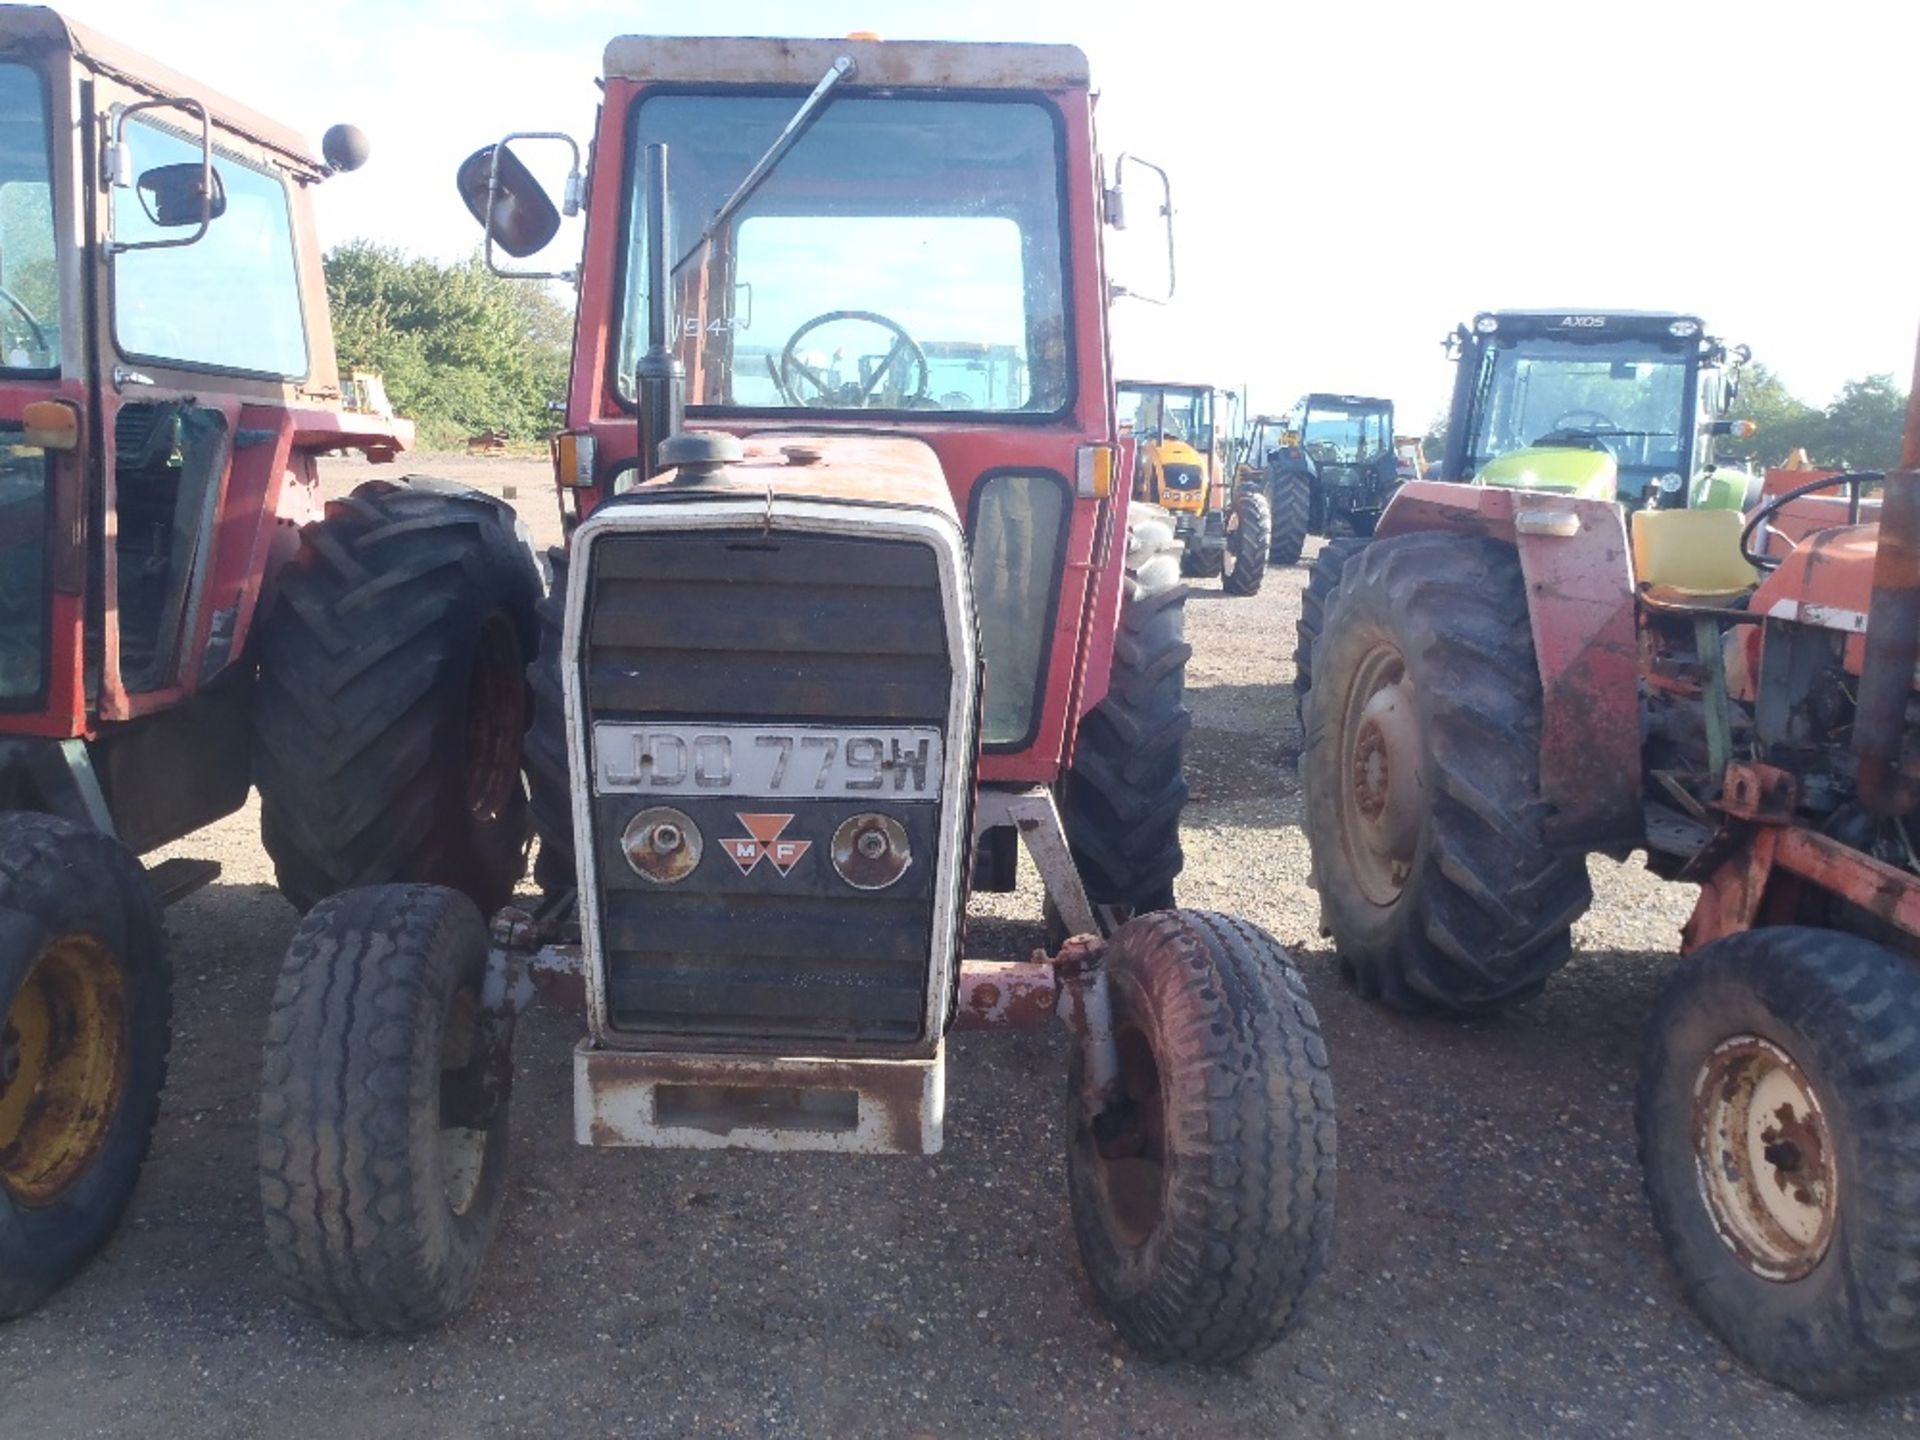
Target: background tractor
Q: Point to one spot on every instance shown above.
(1330, 464)
(1183, 438)
(178, 622)
(766, 768)
(1513, 677)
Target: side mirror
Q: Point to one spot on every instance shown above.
(344, 148)
(185, 194)
(512, 207)
(1116, 206)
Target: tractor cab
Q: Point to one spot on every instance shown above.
(1616, 405)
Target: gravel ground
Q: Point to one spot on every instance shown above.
(1494, 1271)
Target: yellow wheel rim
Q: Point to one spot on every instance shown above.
(63, 1064)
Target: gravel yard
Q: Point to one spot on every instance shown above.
(1494, 1268)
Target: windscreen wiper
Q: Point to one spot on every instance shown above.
(841, 69)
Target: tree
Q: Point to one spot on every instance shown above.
(1781, 422)
(462, 350)
(1863, 427)
(1860, 430)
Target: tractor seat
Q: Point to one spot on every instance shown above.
(1692, 555)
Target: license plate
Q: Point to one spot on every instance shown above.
(767, 761)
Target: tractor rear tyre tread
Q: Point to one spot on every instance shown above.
(1847, 1012)
(1246, 1210)
(1123, 797)
(1485, 913)
(60, 880)
(1292, 492)
(1323, 578)
(360, 1223)
(1249, 535)
(363, 714)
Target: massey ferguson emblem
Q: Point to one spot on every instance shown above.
(763, 842)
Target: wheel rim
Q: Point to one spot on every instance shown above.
(1130, 1142)
(496, 718)
(63, 1065)
(1765, 1156)
(463, 1148)
(1382, 775)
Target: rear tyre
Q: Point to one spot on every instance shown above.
(1203, 1198)
(1123, 797)
(1422, 779)
(380, 1183)
(85, 1023)
(1249, 526)
(392, 704)
(1323, 578)
(1292, 514)
(548, 787)
(1779, 1119)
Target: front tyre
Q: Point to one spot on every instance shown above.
(1249, 527)
(1779, 1120)
(85, 1022)
(1292, 514)
(1203, 1200)
(381, 1173)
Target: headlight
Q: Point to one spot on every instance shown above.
(1681, 329)
(1670, 483)
(1486, 324)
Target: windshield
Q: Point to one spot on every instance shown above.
(1160, 413)
(1345, 435)
(29, 273)
(1629, 397)
(905, 254)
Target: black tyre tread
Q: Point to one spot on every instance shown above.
(1249, 541)
(1201, 562)
(1123, 797)
(370, 624)
(51, 868)
(1248, 1227)
(1848, 1011)
(1486, 916)
(1323, 578)
(1292, 492)
(548, 788)
(349, 1222)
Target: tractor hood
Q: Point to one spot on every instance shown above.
(1560, 469)
(817, 465)
(1173, 452)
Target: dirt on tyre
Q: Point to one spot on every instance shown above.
(392, 705)
(85, 1023)
(1202, 1196)
(1779, 1123)
(1292, 505)
(383, 1149)
(1122, 799)
(1323, 578)
(1421, 777)
(1249, 525)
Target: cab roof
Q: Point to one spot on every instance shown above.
(939, 64)
(27, 27)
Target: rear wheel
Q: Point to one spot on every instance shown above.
(380, 1177)
(1323, 578)
(1292, 492)
(392, 704)
(1202, 1197)
(1421, 771)
(1249, 523)
(85, 1021)
(1779, 1119)
(1123, 797)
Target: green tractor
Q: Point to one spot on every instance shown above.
(1331, 463)
(1616, 405)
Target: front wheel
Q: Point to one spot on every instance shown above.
(1779, 1120)
(1203, 1197)
(1249, 525)
(1292, 515)
(383, 1149)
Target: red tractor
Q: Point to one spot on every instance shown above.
(170, 635)
(1509, 679)
(831, 639)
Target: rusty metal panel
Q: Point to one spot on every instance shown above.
(732, 1102)
(944, 65)
(1006, 994)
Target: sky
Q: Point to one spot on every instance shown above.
(1350, 180)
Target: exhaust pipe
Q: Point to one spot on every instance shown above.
(1893, 631)
(660, 381)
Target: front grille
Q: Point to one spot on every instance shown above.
(1183, 477)
(800, 629)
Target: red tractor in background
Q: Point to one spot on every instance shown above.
(834, 635)
(170, 634)
(1511, 678)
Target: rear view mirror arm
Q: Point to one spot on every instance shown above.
(571, 204)
(117, 169)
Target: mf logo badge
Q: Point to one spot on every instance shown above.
(763, 842)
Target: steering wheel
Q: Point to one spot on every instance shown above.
(851, 394)
(1761, 520)
(1565, 421)
(18, 306)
